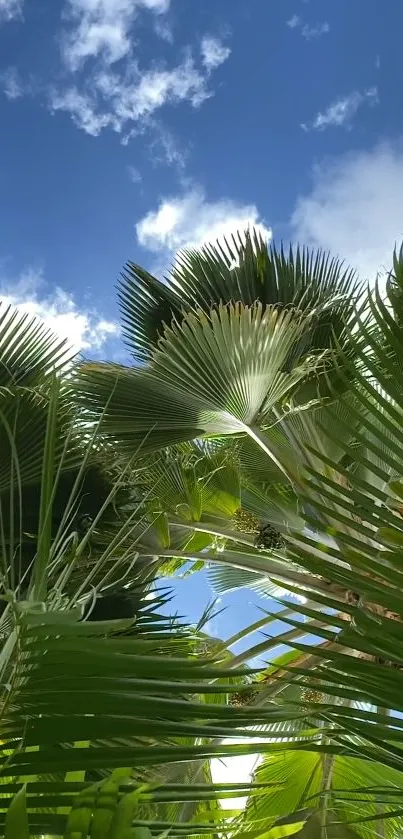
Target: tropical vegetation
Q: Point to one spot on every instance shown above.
(257, 435)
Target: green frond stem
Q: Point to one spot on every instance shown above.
(213, 530)
(285, 639)
(328, 762)
(260, 439)
(254, 627)
(277, 569)
(39, 578)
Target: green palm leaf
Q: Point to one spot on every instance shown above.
(85, 699)
(28, 350)
(233, 363)
(211, 375)
(244, 270)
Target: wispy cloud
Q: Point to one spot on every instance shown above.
(354, 208)
(309, 31)
(103, 85)
(190, 220)
(84, 329)
(119, 100)
(342, 111)
(114, 90)
(10, 9)
(11, 83)
(315, 31)
(134, 174)
(102, 28)
(163, 28)
(213, 51)
(166, 148)
(294, 22)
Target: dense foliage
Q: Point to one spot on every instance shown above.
(258, 434)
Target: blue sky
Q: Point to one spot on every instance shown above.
(130, 128)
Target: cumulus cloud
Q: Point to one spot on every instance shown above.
(354, 208)
(213, 51)
(342, 111)
(83, 329)
(190, 220)
(10, 9)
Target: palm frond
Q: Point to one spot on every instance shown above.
(244, 270)
(28, 350)
(135, 698)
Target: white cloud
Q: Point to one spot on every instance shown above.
(109, 87)
(93, 38)
(158, 6)
(134, 174)
(10, 9)
(354, 208)
(106, 86)
(82, 108)
(166, 148)
(163, 28)
(294, 22)
(190, 220)
(120, 100)
(12, 85)
(315, 31)
(309, 31)
(158, 87)
(342, 111)
(213, 51)
(83, 329)
(103, 27)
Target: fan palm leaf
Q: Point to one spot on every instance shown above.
(210, 376)
(245, 269)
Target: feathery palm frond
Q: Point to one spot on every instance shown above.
(355, 544)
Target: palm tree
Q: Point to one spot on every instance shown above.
(235, 369)
(348, 771)
(221, 391)
(102, 722)
(330, 736)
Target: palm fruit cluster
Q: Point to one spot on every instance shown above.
(245, 522)
(269, 538)
(240, 699)
(312, 693)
